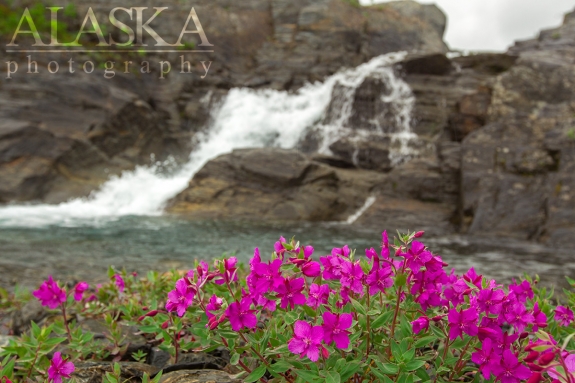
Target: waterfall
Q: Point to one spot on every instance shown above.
(246, 118)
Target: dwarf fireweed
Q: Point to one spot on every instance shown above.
(399, 314)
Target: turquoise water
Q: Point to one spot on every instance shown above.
(28, 255)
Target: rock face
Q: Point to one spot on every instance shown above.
(274, 184)
(495, 147)
(63, 135)
(496, 152)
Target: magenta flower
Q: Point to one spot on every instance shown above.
(240, 314)
(486, 357)
(416, 256)
(279, 247)
(522, 291)
(79, 290)
(510, 370)
(306, 340)
(540, 319)
(331, 267)
(120, 282)
(472, 277)
(255, 259)
(50, 294)
(335, 328)
(380, 279)
(352, 276)
(59, 368)
(267, 276)
(490, 301)
(265, 303)
(214, 305)
(420, 324)
(318, 295)
(563, 316)
(464, 321)
(180, 298)
(290, 292)
(518, 317)
(343, 252)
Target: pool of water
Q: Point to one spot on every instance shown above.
(84, 252)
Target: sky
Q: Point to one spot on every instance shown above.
(493, 25)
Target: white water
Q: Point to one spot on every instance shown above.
(355, 216)
(245, 119)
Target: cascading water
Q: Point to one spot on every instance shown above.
(245, 119)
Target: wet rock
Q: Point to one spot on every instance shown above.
(432, 64)
(273, 184)
(158, 358)
(32, 311)
(373, 155)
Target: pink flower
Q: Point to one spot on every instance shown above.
(240, 314)
(486, 358)
(490, 301)
(331, 267)
(416, 256)
(290, 292)
(59, 368)
(380, 279)
(120, 282)
(267, 276)
(352, 276)
(518, 317)
(214, 305)
(279, 247)
(510, 370)
(180, 298)
(563, 316)
(79, 290)
(49, 294)
(420, 324)
(464, 321)
(318, 295)
(306, 340)
(335, 328)
(540, 319)
(343, 252)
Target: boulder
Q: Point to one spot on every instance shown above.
(273, 184)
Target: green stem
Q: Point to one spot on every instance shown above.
(394, 320)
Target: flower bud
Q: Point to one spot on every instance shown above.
(437, 318)
(324, 352)
(165, 324)
(419, 234)
(533, 355)
(536, 377)
(524, 335)
(213, 323)
(546, 358)
(534, 367)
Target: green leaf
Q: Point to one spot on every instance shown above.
(382, 320)
(234, 359)
(278, 350)
(54, 341)
(280, 366)
(291, 317)
(308, 376)
(349, 369)
(408, 355)
(358, 306)
(425, 341)
(332, 377)
(414, 364)
(373, 313)
(388, 368)
(256, 374)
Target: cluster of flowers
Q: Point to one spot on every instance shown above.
(473, 305)
(53, 296)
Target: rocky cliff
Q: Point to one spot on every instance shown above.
(62, 135)
(495, 139)
(497, 151)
